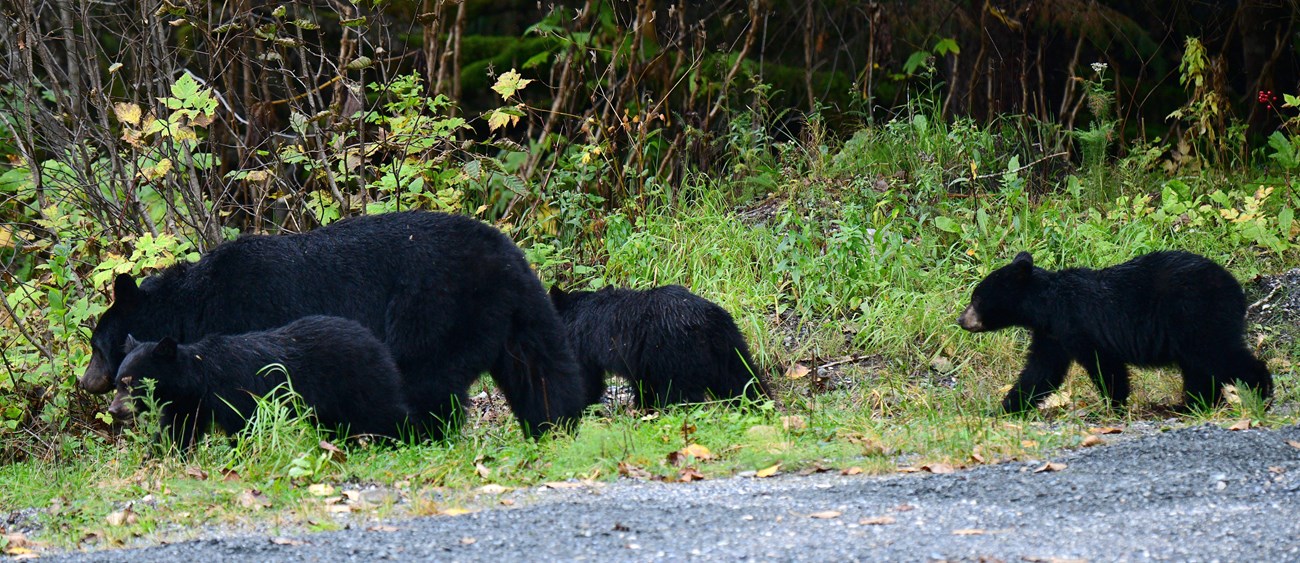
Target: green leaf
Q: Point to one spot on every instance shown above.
(354, 22)
(945, 46)
(915, 61)
(537, 59)
(1284, 220)
(185, 87)
(947, 225)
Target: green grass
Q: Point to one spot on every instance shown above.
(859, 266)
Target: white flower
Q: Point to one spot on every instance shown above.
(1099, 67)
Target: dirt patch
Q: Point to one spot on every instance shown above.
(1275, 304)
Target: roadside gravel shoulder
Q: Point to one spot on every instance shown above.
(1198, 493)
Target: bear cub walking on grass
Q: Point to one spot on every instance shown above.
(1158, 309)
(343, 373)
(671, 345)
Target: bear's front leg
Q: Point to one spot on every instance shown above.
(1044, 371)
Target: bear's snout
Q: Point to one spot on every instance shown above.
(97, 379)
(121, 407)
(970, 320)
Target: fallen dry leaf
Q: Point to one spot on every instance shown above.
(909, 469)
(321, 489)
(482, 470)
(826, 514)
(976, 457)
(454, 511)
(796, 371)
(467, 540)
(1104, 430)
(876, 521)
(688, 474)
(121, 517)
(196, 473)
(631, 471)
(507, 502)
(1243, 424)
(1293, 444)
(286, 541)
(937, 468)
(338, 508)
(229, 475)
(968, 532)
(1050, 466)
(697, 451)
(1028, 444)
(794, 422)
(1092, 440)
(335, 453)
(492, 489)
(381, 528)
(561, 485)
(767, 472)
(253, 498)
(904, 508)
(851, 471)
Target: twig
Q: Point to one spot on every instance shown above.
(1270, 295)
(847, 360)
(1012, 171)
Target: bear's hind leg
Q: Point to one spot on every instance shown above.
(1044, 371)
(1110, 376)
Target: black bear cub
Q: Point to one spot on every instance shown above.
(1159, 309)
(671, 345)
(340, 369)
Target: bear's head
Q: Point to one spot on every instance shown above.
(106, 342)
(144, 360)
(995, 303)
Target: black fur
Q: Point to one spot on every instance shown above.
(341, 371)
(1158, 309)
(451, 297)
(673, 346)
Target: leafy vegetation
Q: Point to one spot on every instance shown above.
(845, 247)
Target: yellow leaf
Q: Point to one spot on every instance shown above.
(851, 471)
(509, 83)
(796, 371)
(321, 489)
(498, 119)
(1050, 466)
(454, 511)
(697, 451)
(127, 113)
(768, 472)
(826, 514)
(937, 468)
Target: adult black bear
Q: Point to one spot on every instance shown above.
(337, 366)
(671, 345)
(1159, 309)
(451, 296)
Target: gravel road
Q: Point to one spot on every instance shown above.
(1194, 494)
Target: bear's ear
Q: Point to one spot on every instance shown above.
(1023, 265)
(1026, 258)
(165, 349)
(125, 292)
(557, 294)
(131, 343)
